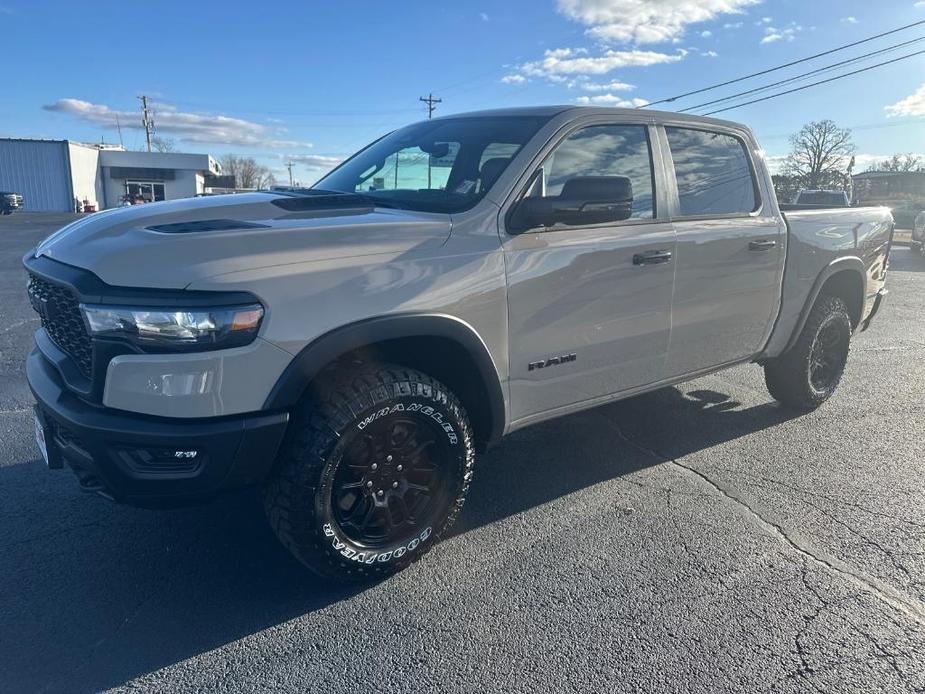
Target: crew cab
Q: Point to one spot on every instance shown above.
(351, 346)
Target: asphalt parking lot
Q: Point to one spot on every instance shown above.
(696, 539)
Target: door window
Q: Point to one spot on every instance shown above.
(713, 172)
(604, 150)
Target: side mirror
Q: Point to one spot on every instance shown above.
(583, 200)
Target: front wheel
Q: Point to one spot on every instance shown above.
(373, 472)
(807, 374)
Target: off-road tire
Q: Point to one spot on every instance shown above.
(789, 377)
(298, 493)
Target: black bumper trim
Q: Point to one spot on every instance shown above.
(232, 451)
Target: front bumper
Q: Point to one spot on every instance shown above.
(151, 461)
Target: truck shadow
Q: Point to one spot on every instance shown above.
(541, 463)
(99, 594)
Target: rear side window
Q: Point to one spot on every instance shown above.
(713, 172)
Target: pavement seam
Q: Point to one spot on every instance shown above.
(886, 593)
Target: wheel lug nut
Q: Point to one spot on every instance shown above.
(388, 459)
(369, 484)
(380, 492)
(394, 485)
(375, 466)
(399, 468)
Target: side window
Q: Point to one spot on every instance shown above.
(713, 172)
(604, 150)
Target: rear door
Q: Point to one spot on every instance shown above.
(585, 321)
(730, 250)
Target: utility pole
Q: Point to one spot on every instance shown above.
(119, 128)
(147, 119)
(431, 104)
(431, 107)
(289, 166)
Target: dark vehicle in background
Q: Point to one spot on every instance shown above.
(905, 213)
(10, 202)
(822, 198)
(918, 233)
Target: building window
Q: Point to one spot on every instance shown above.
(141, 191)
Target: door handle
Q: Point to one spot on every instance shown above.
(764, 245)
(651, 257)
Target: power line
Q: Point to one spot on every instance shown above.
(147, 119)
(781, 67)
(815, 84)
(431, 104)
(797, 78)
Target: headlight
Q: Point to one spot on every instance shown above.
(173, 329)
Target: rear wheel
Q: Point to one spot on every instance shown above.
(374, 471)
(807, 375)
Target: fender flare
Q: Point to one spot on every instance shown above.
(850, 263)
(323, 350)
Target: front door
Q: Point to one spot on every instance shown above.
(589, 311)
(729, 255)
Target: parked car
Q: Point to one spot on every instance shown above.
(350, 350)
(904, 213)
(823, 198)
(918, 233)
(10, 202)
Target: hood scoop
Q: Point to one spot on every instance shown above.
(205, 225)
(307, 202)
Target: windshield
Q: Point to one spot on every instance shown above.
(445, 165)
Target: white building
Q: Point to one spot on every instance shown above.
(52, 175)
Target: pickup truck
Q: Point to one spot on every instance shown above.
(10, 202)
(822, 198)
(350, 347)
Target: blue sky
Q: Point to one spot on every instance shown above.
(313, 81)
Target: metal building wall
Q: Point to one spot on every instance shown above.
(40, 171)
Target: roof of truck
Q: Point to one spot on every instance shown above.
(554, 110)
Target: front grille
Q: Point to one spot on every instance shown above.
(60, 313)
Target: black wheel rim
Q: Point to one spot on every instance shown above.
(827, 358)
(392, 481)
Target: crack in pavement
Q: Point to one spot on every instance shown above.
(910, 607)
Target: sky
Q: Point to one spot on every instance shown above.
(312, 82)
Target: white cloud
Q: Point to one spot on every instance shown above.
(610, 100)
(912, 105)
(773, 34)
(849, 20)
(649, 21)
(483, 16)
(710, 54)
(732, 25)
(706, 34)
(204, 128)
(513, 79)
(608, 87)
(920, 3)
(315, 162)
(569, 61)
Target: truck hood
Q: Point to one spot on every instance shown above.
(172, 244)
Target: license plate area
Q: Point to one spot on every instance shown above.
(45, 442)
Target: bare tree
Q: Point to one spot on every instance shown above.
(820, 155)
(162, 144)
(899, 163)
(247, 172)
